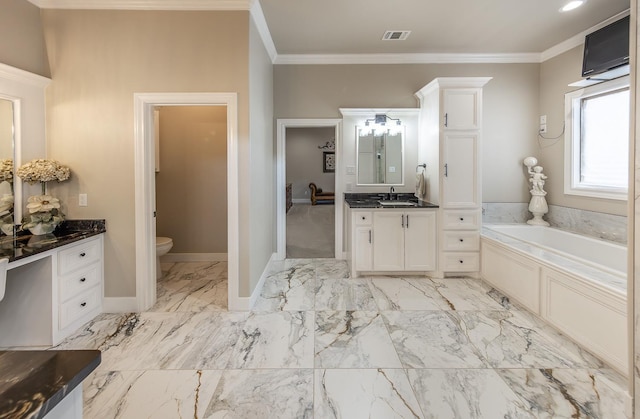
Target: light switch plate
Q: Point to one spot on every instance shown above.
(82, 199)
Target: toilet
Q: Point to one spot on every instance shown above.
(163, 245)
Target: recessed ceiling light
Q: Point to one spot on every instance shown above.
(572, 5)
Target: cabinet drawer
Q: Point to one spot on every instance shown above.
(362, 218)
(79, 281)
(461, 220)
(78, 256)
(461, 241)
(83, 304)
(461, 262)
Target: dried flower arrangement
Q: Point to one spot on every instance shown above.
(6, 170)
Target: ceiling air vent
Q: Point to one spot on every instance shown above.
(395, 35)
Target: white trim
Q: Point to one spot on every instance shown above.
(145, 187)
(145, 4)
(281, 176)
(194, 257)
(426, 58)
(367, 112)
(119, 304)
(263, 30)
(15, 74)
(572, 105)
(258, 289)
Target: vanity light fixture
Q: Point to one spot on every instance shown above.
(382, 119)
(574, 4)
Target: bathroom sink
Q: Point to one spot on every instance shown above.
(397, 203)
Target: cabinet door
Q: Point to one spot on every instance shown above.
(460, 171)
(420, 241)
(388, 240)
(461, 109)
(364, 249)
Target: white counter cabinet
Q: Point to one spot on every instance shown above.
(51, 294)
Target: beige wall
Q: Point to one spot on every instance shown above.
(555, 75)
(98, 60)
(510, 107)
(262, 239)
(191, 186)
(21, 38)
(304, 160)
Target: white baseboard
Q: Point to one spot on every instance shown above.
(193, 257)
(247, 303)
(301, 201)
(265, 273)
(119, 305)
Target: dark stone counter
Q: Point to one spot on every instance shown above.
(33, 382)
(24, 244)
(372, 200)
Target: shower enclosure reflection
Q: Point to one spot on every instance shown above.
(6, 166)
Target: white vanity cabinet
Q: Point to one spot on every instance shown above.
(79, 283)
(50, 295)
(450, 140)
(393, 240)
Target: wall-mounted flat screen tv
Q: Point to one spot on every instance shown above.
(606, 48)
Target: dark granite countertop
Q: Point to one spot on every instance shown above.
(24, 244)
(33, 382)
(371, 200)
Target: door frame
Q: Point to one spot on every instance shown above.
(145, 226)
(281, 180)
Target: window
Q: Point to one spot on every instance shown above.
(597, 140)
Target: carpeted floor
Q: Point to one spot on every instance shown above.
(311, 231)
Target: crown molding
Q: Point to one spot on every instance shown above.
(406, 58)
(578, 39)
(145, 4)
(263, 30)
(16, 74)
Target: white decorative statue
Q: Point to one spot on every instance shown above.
(538, 205)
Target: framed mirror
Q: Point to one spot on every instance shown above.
(7, 166)
(380, 155)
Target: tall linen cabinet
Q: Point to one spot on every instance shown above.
(450, 140)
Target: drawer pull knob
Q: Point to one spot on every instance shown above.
(83, 304)
(364, 218)
(83, 279)
(461, 240)
(462, 261)
(461, 219)
(83, 254)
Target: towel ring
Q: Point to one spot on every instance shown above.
(423, 165)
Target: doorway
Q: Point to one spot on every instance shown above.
(144, 133)
(310, 177)
(281, 184)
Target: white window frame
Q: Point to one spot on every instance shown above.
(572, 108)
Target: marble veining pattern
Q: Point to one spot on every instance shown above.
(589, 223)
(333, 347)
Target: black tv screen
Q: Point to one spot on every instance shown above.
(606, 48)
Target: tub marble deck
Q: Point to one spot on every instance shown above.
(322, 345)
(611, 281)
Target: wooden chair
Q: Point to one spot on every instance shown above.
(320, 197)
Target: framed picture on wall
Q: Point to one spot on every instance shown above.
(328, 161)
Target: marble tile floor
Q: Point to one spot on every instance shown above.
(322, 345)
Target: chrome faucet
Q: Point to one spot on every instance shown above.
(391, 192)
